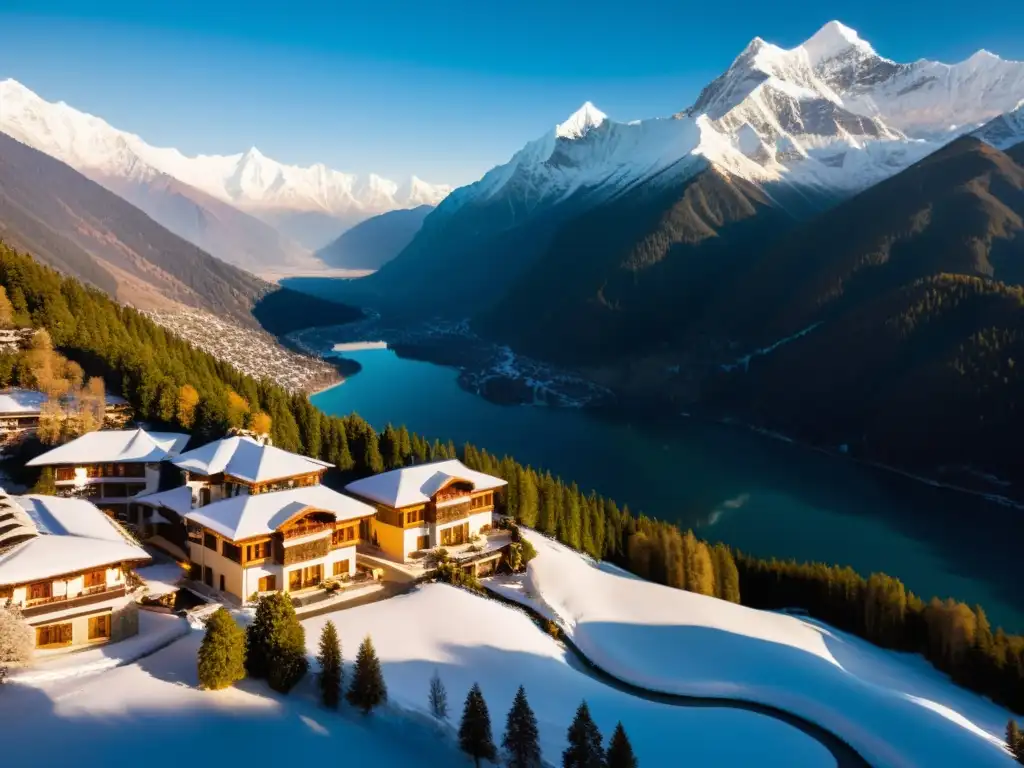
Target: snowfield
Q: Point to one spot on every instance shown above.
(471, 639)
(894, 709)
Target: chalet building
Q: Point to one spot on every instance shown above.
(286, 540)
(66, 565)
(111, 467)
(239, 465)
(441, 504)
(20, 410)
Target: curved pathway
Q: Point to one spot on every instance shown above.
(845, 755)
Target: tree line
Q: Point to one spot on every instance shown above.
(168, 381)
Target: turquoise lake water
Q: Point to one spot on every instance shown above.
(765, 496)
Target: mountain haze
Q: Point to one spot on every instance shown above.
(247, 209)
(375, 241)
(72, 223)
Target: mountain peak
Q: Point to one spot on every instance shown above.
(580, 122)
(832, 40)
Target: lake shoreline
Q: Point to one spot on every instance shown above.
(511, 395)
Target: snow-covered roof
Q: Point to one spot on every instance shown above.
(417, 485)
(31, 401)
(21, 401)
(246, 515)
(122, 445)
(67, 536)
(247, 459)
(177, 499)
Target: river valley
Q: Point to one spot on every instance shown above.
(760, 494)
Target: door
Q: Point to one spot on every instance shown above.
(222, 582)
(295, 580)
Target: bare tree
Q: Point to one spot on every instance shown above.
(16, 640)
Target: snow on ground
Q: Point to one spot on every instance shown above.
(471, 639)
(152, 712)
(892, 708)
(161, 578)
(155, 630)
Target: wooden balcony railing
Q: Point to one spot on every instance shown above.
(306, 530)
(60, 602)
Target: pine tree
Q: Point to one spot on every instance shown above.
(367, 690)
(1015, 740)
(275, 643)
(585, 748)
(475, 730)
(221, 659)
(331, 666)
(521, 745)
(438, 697)
(620, 751)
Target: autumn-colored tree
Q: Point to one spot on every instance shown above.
(188, 399)
(238, 409)
(260, 423)
(6, 310)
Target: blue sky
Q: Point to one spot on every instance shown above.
(445, 89)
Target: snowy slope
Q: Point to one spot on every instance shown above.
(1004, 131)
(469, 639)
(894, 709)
(249, 181)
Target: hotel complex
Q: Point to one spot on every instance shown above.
(247, 517)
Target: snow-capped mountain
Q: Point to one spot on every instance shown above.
(779, 136)
(1004, 131)
(249, 182)
(829, 113)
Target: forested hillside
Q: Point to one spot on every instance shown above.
(172, 384)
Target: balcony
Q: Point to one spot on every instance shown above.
(87, 596)
(449, 513)
(308, 529)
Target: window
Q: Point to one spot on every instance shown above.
(65, 473)
(231, 551)
(53, 634)
(268, 583)
(341, 568)
(210, 541)
(40, 590)
(95, 579)
(257, 551)
(99, 627)
(422, 542)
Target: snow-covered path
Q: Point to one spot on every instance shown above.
(892, 708)
(471, 639)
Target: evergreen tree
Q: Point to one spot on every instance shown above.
(331, 666)
(585, 748)
(475, 730)
(1015, 740)
(367, 690)
(438, 697)
(620, 751)
(275, 643)
(727, 577)
(45, 483)
(521, 744)
(221, 659)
